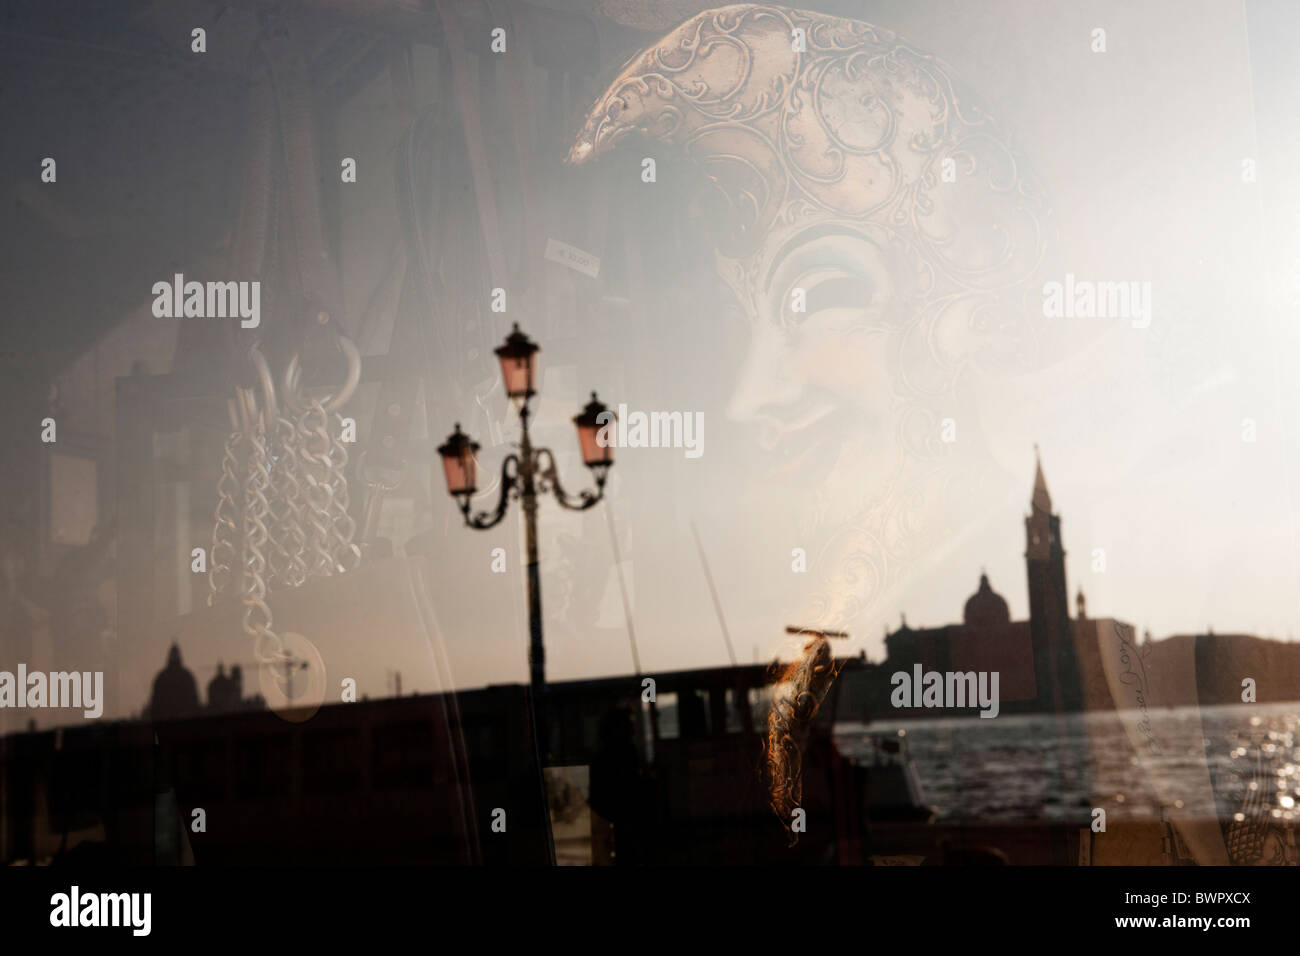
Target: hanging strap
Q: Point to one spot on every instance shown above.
(212, 352)
(309, 273)
(515, 66)
(484, 193)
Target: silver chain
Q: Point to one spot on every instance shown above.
(289, 514)
(319, 492)
(257, 615)
(290, 497)
(225, 528)
(343, 528)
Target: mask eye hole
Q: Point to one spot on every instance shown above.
(826, 291)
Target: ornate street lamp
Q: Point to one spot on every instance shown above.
(597, 449)
(459, 464)
(518, 357)
(528, 472)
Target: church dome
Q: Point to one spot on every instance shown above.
(175, 692)
(986, 608)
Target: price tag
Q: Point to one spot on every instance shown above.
(573, 257)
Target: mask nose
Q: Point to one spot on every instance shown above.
(767, 383)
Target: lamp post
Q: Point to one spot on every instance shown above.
(526, 474)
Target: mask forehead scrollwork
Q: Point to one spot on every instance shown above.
(798, 116)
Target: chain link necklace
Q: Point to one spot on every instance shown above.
(283, 516)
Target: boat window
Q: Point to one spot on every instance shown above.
(647, 732)
(693, 719)
(760, 702)
(735, 720)
(666, 707)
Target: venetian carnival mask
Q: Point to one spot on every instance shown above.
(873, 223)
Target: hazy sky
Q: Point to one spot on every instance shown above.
(1140, 151)
(1142, 431)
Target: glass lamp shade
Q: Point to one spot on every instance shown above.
(597, 448)
(458, 462)
(518, 358)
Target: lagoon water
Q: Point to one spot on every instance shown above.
(1029, 767)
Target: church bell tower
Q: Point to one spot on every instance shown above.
(1055, 662)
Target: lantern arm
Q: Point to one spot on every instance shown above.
(549, 480)
(509, 482)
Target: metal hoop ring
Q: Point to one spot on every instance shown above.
(293, 379)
